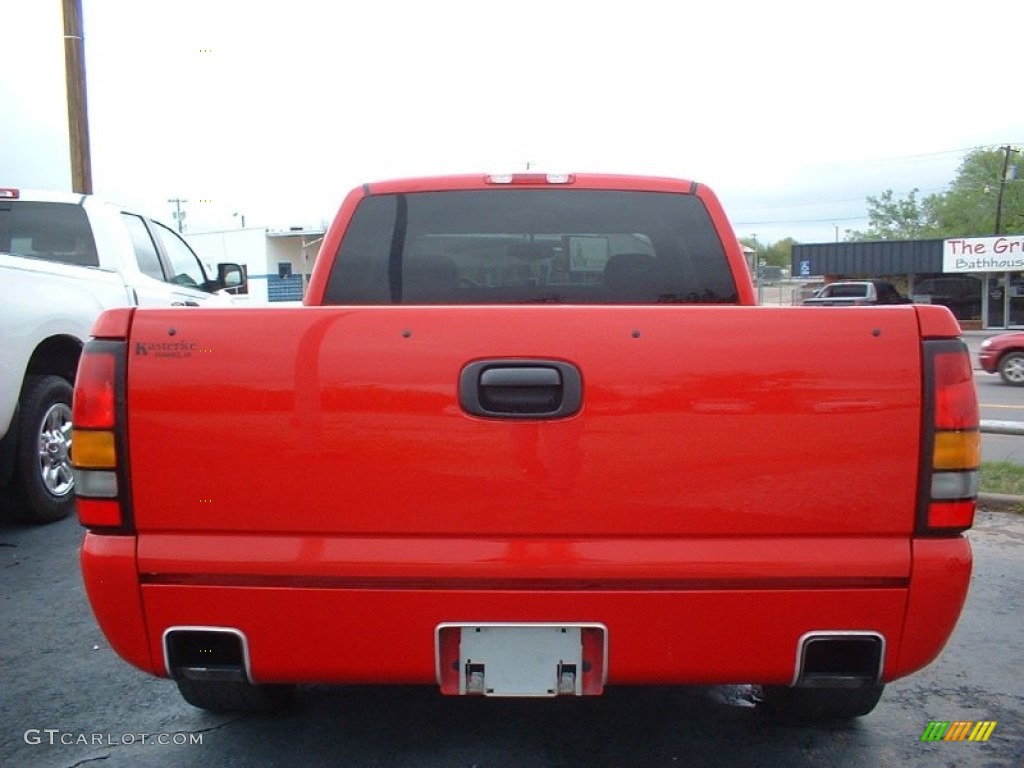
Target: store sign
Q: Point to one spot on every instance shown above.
(984, 254)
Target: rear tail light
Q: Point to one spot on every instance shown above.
(95, 449)
(951, 453)
(95, 404)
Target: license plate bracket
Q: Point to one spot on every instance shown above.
(521, 659)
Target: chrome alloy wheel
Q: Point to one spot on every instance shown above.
(1012, 369)
(55, 450)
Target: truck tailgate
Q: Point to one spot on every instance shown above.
(695, 421)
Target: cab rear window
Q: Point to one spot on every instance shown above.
(513, 246)
(51, 231)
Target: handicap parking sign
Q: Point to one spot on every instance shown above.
(805, 269)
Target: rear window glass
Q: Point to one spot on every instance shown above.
(531, 246)
(51, 231)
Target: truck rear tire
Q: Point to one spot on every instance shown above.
(819, 703)
(229, 696)
(44, 483)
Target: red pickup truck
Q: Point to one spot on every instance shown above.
(529, 437)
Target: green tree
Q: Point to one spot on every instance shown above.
(891, 218)
(967, 208)
(780, 254)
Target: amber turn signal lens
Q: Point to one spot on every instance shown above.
(93, 449)
(957, 450)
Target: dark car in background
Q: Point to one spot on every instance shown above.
(1004, 354)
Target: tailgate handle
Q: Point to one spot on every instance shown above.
(521, 389)
(520, 377)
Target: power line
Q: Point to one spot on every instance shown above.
(894, 159)
(784, 206)
(918, 156)
(834, 219)
(774, 206)
(800, 221)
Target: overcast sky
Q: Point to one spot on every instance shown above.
(792, 111)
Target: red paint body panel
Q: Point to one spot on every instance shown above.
(111, 580)
(734, 478)
(387, 636)
(666, 562)
(937, 322)
(347, 421)
(942, 574)
(309, 633)
(113, 324)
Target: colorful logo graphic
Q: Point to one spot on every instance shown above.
(958, 730)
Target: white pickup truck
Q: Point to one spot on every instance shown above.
(63, 259)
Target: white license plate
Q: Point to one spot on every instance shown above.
(521, 659)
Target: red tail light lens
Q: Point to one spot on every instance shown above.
(94, 405)
(956, 515)
(93, 513)
(94, 443)
(956, 400)
(951, 453)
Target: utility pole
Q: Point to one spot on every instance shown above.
(78, 118)
(179, 215)
(1002, 185)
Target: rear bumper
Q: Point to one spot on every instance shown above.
(719, 628)
(341, 636)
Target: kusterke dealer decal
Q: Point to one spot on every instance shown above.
(177, 349)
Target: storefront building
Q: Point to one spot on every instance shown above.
(980, 279)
